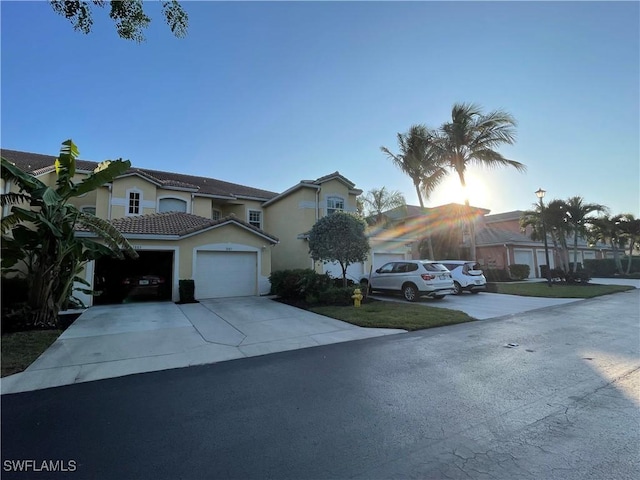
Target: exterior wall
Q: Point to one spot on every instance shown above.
(102, 202)
(494, 257)
(336, 188)
(510, 226)
(242, 211)
(120, 198)
(202, 207)
(286, 219)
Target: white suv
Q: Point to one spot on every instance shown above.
(466, 276)
(413, 278)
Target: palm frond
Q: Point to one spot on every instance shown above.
(14, 198)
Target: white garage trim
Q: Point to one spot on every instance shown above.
(262, 282)
(525, 257)
(380, 258)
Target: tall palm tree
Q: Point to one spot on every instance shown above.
(557, 226)
(420, 159)
(577, 217)
(471, 138)
(607, 230)
(630, 229)
(377, 200)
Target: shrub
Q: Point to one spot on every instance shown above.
(298, 283)
(336, 296)
(187, 290)
(519, 271)
(601, 267)
(496, 275)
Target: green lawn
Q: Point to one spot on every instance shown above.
(394, 315)
(21, 349)
(541, 289)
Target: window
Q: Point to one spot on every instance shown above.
(89, 210)
(334, 204)
(255, 218)
(172, 205)
(134, 203)
(386, 268)
(216, 214)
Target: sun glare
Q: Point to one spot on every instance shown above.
(450, 191)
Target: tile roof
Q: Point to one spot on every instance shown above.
(491, 236)
(175, 223)
(503, 217)
(36, 164)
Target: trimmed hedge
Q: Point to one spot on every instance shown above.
(606, 267)
(496, 275)
(519, 271)
(310, 286)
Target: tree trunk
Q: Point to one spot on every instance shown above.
(616, 256)
(631, 241)
(428, 233)
(575, 251)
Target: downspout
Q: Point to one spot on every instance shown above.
(317, 204)
(192, 197)
(110, 186)
(508, 259)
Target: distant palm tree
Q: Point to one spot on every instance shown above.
(577, 218)
(471, 138)
(630, 229)
(420, 159)
(556, 219)
(378, 200)
(607, 230)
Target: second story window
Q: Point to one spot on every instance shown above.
(89, 210)
(255, 218)
(334, 204)
(134, 203)
(216, 214)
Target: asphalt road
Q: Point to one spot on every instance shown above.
(452, 402)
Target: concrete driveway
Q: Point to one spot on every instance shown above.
(116, 340)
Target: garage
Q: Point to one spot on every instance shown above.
(355, 271)
(149, 277)
(379, 259)
(226, 274)
(525, 257)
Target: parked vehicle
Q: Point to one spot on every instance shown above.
(412, 278)
(144, 285)
(466, 276)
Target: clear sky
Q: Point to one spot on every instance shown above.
(266, 94)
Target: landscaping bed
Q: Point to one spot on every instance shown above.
(21, 349)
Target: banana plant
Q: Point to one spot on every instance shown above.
(39, 235)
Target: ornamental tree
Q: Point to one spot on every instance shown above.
(339, 237)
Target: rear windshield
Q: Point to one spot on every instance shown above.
(472, 266)
(434, 267)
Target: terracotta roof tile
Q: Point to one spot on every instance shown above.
(36, 164)
(174, 223)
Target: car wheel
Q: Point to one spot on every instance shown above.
(439, 297)
(410, 293)
(457, 288)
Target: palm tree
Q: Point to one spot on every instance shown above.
(630, 230)
(471, 138)
(420, 159)
(557, 226)
(577, 218)
(42, 239)
(607, 230)
(377, 200)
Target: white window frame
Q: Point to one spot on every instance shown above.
(332, 200)
(173, 197)
(127, 208)
(215, 211)
(251, 222)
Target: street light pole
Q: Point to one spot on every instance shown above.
(540, 194)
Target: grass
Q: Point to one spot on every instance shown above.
(21, 349)
(394, 315)
(541, 289)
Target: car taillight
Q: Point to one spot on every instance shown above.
(426, 276)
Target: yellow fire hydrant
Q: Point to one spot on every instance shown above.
(357, 297)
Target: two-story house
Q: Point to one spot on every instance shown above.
(227, 237)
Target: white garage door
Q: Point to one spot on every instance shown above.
(525, 257)
(379, 259)
(226, 274)
(354, 271)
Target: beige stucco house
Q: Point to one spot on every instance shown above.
(225, 236)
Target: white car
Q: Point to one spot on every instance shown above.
(412, 278)
(466, 276)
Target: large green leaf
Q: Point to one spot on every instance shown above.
(66, 162)
(100, 177)
(14, 198)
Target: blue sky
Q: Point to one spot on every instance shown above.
(269, 93)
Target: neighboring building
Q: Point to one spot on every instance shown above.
(227, 237)
(500, 240)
